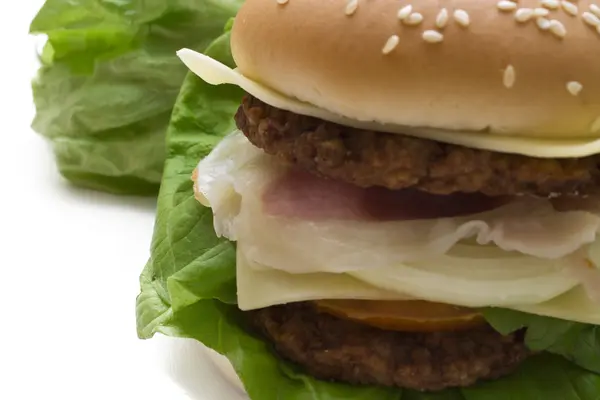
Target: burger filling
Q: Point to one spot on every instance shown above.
(366, 257)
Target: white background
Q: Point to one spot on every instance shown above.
(69, 262)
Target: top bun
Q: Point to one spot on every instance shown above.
(476, 65)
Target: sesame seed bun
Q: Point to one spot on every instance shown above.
(480, 65)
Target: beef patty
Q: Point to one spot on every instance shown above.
(368, 158)
(331, 348)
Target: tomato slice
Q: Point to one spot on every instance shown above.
(406, 316)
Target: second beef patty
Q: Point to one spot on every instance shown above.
(336, 349)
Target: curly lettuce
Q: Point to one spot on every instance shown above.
(108, 80)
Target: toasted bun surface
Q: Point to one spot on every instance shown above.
(491, 73)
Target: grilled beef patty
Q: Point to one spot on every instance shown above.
(368, 158)
(331, 348)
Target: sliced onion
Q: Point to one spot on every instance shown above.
(217, 174)
(473, 280)
(585, 268)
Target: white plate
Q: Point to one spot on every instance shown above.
(200, 372)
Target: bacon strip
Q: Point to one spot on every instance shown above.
(298, 194)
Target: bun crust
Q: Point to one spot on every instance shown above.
(494, 75)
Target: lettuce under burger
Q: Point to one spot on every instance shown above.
(391, 208)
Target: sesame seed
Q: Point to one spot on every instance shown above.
(558, 29)
(543, 23)
(414, 19)
(282, 2)
(574, 87)
(595, 125)
(390, 44)
(506, 5)
(591, 19)
(404, 12)
(442, 18)
(541, 12)
(509, 77)
(523, 14)
(595, 10)
(351, 7)
(570, 8)
(551, 4)
(432, 36)
(462, 17)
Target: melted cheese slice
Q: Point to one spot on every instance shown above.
(216, 73)
(574, 305)
(259, 287)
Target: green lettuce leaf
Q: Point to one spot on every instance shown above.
(108, 82)
(188, 286)
(577, 342)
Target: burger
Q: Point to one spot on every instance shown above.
(412, 188)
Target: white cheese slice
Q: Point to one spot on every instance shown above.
(258, 287)
(574, 305)
(216, 73)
